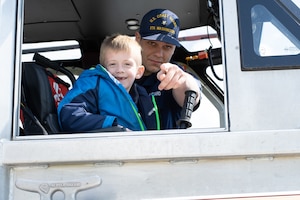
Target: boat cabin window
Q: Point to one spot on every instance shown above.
(53, 49)
(270, 38)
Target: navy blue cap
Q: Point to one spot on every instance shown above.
(160, 25)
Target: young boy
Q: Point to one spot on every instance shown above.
(106, 97)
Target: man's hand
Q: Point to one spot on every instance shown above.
(172, 77)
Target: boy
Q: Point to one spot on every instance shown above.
(106, 97)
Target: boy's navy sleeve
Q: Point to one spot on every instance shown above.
(75, 117)
(79, 112)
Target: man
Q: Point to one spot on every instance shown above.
(158, 37)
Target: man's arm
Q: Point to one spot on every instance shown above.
(172, 77)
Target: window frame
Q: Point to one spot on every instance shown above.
(250, 61)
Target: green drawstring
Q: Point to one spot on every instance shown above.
(156, 112)
(138, 117)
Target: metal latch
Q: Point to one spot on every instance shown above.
(69, 187)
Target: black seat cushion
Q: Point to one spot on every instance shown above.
(38, 95)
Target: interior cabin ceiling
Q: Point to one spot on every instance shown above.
(47, 20)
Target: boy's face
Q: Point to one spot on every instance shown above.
(122, 65)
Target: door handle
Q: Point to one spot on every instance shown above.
(70, 188)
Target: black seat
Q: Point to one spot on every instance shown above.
(39, 97)
(41, 93)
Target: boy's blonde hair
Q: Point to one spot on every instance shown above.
(118, 42)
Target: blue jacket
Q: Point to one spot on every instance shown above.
(97, 100)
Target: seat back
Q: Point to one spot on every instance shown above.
(39, 96)
(42, 91)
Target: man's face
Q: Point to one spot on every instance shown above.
(154, 53)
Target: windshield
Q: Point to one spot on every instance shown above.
(199, 39)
